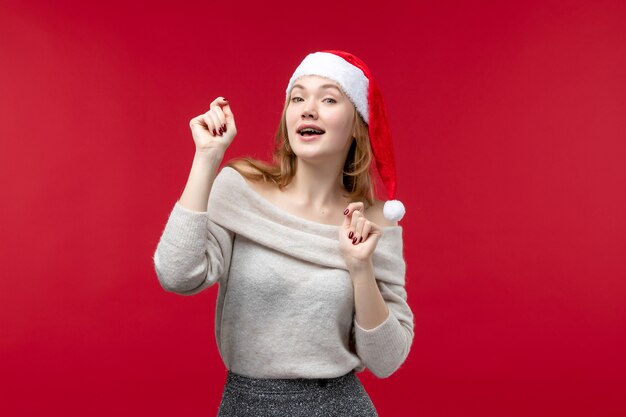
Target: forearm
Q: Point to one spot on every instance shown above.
(370, 307)
(204, 168)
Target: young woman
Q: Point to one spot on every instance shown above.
(309, 264)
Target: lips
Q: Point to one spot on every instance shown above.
(308, 138)
(310, 126)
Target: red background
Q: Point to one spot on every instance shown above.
(509, 127)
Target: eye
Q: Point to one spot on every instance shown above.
(333, 100)
(294, 98)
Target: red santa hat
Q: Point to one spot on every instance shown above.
(357, 83)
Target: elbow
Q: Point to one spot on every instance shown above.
(387, 370)
(390, 359)
(179, 286)
(171, 285)
(181, 282)
(383, 374)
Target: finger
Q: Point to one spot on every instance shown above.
(223, 104)
(219, 124)
(209, 123)
(214, 121)
(217, 102)
(198, 120)
(225, 107)
(348, 214)
(346, 223)
(353, 224)
(375, 231)
(357, 205)
(220, 116)
(367, 227)
(199, 124)
(358, 228)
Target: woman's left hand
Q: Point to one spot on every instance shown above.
(358, 236)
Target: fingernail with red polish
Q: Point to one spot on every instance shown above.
(354, 241)
(345, 212)
(350, 235)
(214, 132)
(361, 239)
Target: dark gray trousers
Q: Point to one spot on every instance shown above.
(343, 396)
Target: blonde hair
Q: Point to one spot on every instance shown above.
(356, 171)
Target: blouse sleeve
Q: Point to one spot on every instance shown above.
(193, 253)
(384, 348)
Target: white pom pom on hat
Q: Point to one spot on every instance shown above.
(394, 210)
(356, 80)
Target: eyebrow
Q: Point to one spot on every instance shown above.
(323, 86)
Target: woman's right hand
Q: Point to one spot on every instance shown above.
(215, 129)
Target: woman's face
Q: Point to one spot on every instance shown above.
(319, 101)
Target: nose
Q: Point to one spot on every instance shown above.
(309, 110)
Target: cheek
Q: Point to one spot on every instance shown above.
(291, 117)
(342, 124)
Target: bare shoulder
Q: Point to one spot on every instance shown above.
(375, 214)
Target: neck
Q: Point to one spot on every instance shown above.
(317, 187)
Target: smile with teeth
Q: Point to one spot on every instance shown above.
(307, 131)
